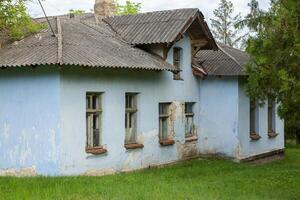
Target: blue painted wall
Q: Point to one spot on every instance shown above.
(153, 87)
(29, 119)
(219, 99)
(248, 147)
(43, 125)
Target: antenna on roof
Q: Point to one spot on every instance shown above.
(53, 34)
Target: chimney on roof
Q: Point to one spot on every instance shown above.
(105, 8)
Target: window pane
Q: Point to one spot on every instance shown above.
(189, 108)
(126, 120)
(271, 115)
(270, 118)
(176, 55)
(127, 101)
(89, 129)
(130, 118)
(95, 101)
(164, 128)
(163, 108)
(96, 138)
(254, 115)
(87, 102)
(189, 126)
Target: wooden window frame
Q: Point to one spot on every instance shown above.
(164, 139)
(131, 116)
(189, 115)
(254, 120)
(177, 62)
(272, 122)
(94, 110)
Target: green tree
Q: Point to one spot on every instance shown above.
(15, 22)
(130, 8)
(76, 11)
(274, 71)
(224, 24)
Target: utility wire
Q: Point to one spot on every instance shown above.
(53, 34)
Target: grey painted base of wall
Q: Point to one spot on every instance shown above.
(265, 157)
(257, 159)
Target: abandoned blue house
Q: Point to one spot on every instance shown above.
(111, 94)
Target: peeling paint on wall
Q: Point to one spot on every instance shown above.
(23, 172)
(97, 172)
(188, 150)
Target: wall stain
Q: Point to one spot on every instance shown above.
(23, 172)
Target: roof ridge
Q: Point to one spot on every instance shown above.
(119, 37)
(222, 49)
(156, 11)
(59, 42)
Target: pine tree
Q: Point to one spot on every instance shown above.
(224, 24)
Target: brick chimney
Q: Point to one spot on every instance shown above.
(105, 8)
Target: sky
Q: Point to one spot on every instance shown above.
(57, 7)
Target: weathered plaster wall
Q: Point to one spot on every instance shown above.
(153, 87)
(265, 144)
(29, 121)
(43, 125)
(219, 115)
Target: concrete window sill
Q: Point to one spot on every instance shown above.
(255, 136)
(191, 139)
(272, 134)
(134, 146)
(167, 142)
(96, 150)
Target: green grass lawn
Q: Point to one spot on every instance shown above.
(197, 179)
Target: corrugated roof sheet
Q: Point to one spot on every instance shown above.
(227, 61)
(153, 27)
(84, 42)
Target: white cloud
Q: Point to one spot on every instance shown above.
(56, 7)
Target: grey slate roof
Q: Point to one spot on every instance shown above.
(82, 42)
(227, 61)
(155, 27)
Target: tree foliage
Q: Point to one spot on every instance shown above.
(275, 68)
(224, 24)
(130, 8)
(15, 22)
(76, 11)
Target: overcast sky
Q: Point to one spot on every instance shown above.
(56, 7)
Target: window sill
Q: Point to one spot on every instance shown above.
(255, 136)
(178, 79)
(96, 150)
(191, 139)
(134, 146)
(272, 134)
(166, 142)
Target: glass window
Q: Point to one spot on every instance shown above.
(271, 116)
(177, 55)
(93, 119)
(130, 117)
(189, 120)
(164, 117)
(254, 117)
